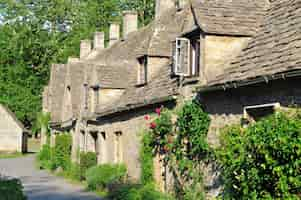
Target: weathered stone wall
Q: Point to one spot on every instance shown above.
(227, 107)
(107, 96)
(218, 51)
(130, 125)
(11, 135)
(154, 66)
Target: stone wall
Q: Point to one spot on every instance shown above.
(154, 66)
(130, 125)
(218, 51)
(227, 108)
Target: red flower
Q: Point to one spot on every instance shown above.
(158, 111)
(153, 125)
(147, 117)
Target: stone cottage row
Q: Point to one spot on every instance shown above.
(239, 58)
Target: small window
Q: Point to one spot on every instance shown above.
(257, 112)
(95, 142)
(142, 71)
(186, 57)
(103, 148)
(82, 141)
(86, 96)
(94, 99)
(118, 147)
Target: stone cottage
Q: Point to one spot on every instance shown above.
(13, 136)
(264, 76)
(240, 56)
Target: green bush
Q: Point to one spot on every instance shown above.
(74, 172)
(103, 176)
(87, 160)
(44, 157)
(263, 161)
(62, 151)
(137, 192)
(11, 190)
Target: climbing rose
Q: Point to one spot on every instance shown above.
(158, 111)
(147, 117)
(153, 125)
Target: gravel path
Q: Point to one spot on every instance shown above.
(40, 185)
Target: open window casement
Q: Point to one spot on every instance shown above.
(182, 57)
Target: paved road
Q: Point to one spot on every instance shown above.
(39, 185)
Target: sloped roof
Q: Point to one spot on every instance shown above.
(13, 116)
(158, 90)
(166, 28)
(275, 49)
(56, 90)
(77, 80)
(112, 76)
(230, 17)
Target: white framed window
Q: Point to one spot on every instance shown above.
(257, 112)
(186, 57)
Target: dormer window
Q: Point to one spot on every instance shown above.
(186, 57)
(142, 71)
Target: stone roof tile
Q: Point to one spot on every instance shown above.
(275, 49)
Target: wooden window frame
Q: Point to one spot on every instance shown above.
(193, 54)
(178, 69)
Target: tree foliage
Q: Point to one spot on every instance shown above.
(34, 34)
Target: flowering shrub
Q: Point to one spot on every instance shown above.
(184, 146)
(263, 161)
(160, 130)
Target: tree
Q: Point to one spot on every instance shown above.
(34, 34)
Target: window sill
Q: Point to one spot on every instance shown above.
(140, 84)
(191, 80)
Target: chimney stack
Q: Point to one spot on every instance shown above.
(162, 6)
(130, 22)
(85, 48)
(114, 33)
(99, 40)
(181, 4)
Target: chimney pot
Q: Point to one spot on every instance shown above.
(85, 48)
(130, 22)
(99, 40)
(114, 33)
